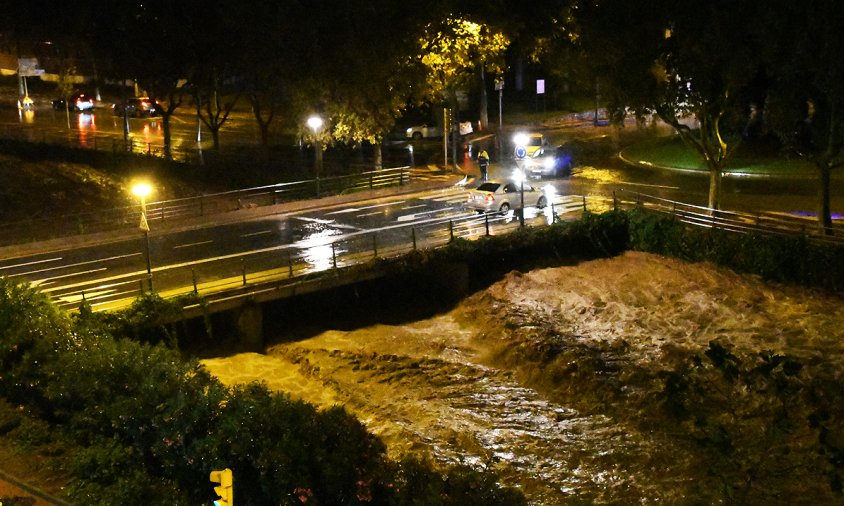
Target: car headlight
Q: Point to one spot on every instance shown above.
(548, 163)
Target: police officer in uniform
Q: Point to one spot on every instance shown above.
(483, 163)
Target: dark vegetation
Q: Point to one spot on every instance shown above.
(132, 422)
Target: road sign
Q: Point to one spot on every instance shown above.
(540, 86)
(28, 67)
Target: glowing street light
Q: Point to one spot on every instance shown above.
(315, 124)
(142, 190)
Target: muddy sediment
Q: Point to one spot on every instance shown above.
(531, 375)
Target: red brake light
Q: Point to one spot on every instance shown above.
(489, 197)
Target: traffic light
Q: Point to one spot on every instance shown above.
(226, 489)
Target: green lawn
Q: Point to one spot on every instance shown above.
(672, 152)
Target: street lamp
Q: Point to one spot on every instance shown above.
(315, 124)
(141, 190)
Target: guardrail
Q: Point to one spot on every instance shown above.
(734, 221)
(126, 217)
(235, 276)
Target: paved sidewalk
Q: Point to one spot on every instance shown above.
(14, 488)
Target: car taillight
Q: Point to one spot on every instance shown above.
(489, 197)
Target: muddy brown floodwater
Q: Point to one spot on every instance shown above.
(428, 387)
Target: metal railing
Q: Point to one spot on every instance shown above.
(167, 211)
(768, 223)
(241, 275)
(291, 267)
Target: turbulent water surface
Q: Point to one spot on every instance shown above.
(429, 386)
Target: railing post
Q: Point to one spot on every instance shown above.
(333, 255)
(193, 277)
(553, 214)
(413, 235)
(289, 265)
(243, 270)
(401, 176)
(486, 223)
(375, 244)
(370, 181)
(450, 230)
(614, 201)
(584, 203)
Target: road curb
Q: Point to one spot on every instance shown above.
(34, 491)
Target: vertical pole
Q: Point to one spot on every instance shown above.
(486, 223)
(193, 277)
(614, 201)
(450, 230)
(243, 270)
(413, 235)
(375, 244)
(149, 262)
(553, 214)
(584, 203)
(522, 199)
(445, 138)
(289, 265)
(333, 255)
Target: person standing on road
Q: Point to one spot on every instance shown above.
(483, 163)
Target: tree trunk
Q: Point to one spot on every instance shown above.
(379, 161)
(715, 174)
(484, 100)
(824, 210)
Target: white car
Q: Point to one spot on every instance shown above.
(419, 132)
(426, 132)
(500, 196)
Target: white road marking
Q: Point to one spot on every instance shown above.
(31, 263)
(67, 266)
(257, 233)
(192, 244)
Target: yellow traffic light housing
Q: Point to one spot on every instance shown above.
(225, 490)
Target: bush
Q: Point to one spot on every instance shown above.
(147, 426)
(779, 258)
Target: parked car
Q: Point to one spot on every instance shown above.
(418, 132)
(79, 102)
(529, 145)
(424, 131)
(549, 162)
(501, 196)
(137, 107)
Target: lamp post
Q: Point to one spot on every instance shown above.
(315, 124)
(141, 190)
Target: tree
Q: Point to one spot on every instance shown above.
(805, 107)
(679, 60)
(452, 50)
(157, 63)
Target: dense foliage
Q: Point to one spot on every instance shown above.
(146, 426)
(783, 258)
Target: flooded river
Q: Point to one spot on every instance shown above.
(431, 387)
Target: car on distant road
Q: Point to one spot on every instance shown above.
(529, 145)
(501, 196)
(137, 107)
(549, 162)
(419, 132)
(79, 102)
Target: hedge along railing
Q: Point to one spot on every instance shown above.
(731, 221)
(128, 217)
(239, 275)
